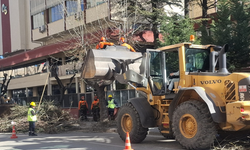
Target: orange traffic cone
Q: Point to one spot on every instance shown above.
(127, 143)
(13, 133)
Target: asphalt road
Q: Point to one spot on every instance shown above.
(83, 141)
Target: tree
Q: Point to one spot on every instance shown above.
(4, 86)
(231, 26)
(153, 12)
(205, 6)
(81, 37)
(177, 29)
(62, 87)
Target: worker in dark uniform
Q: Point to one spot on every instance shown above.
(103, 44)
(32, 119)
(95, 107)
(83, 108)
(112, 104)
(123, 43)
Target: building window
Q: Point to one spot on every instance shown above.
(55, 13)
(198, 34)
(82, 5)
(72, 7)
(99, 3)
(19, 93)
(91, 3)
(30, 92)
(40, 91)
(136, 26)
(38, 20)
(55, 90)
(72, 88)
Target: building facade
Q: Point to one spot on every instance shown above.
(36, 31)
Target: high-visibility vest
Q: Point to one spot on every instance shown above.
(111, 104)
(30, 116)
(95, 104)
(103, 45)
(82, 104)
(128, 46)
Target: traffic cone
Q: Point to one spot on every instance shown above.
(13, 133)
(127, 143)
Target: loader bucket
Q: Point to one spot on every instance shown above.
(101, 64)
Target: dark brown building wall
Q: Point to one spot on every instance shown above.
(6, 37)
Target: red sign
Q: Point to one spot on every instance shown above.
(242, 88)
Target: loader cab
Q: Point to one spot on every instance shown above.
(196, 60)
(160, 65)
(168, 68)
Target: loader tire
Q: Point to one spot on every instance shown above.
(128, 120)
(193, 125)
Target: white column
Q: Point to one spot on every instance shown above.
(63, 60)
(77, 85)
(9, 93)
(113, 86)
(27, 92)
(49, 86)
(83, 86)
(35, 93)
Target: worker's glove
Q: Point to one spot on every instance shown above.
(38, 112)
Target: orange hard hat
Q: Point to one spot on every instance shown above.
(122, 39)
(102, 39)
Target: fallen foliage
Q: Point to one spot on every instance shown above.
(51, 119)
(239, 140)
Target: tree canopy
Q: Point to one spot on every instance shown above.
(231, 26)
(177, 29)
(205, 5)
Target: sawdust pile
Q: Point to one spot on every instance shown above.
(51, 119)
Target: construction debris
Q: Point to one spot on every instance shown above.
(51, 119)
(232, 141)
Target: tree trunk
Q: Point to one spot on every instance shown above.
(62, 91)
(103, 102)
(60, 84)
(4, 87)
(155, 23)
(204, 22)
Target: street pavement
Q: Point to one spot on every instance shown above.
(77, 140)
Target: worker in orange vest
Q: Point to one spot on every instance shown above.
(103, 44)
(95, 107)
(122, 41)
(83, 108)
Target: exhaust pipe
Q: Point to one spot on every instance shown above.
(223, 59)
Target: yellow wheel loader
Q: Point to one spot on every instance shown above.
(185, 90)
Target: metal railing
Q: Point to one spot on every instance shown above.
(71, 100)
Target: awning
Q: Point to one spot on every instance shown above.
(32, 57)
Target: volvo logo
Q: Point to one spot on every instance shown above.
(210, 82)
(4, 9)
